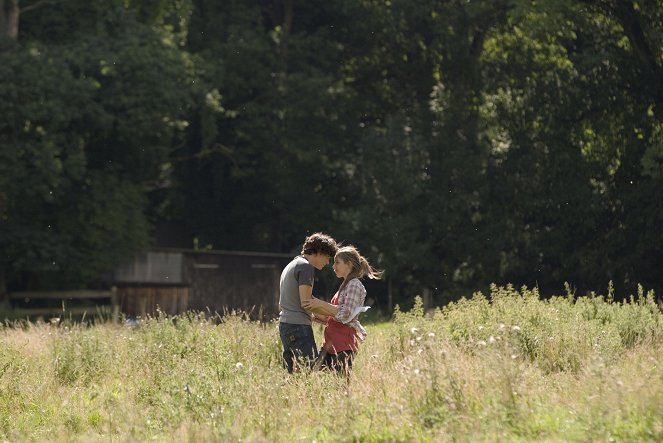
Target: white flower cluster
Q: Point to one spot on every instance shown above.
(501, 328)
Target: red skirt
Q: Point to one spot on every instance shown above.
(339, 337)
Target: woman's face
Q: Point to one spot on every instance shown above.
(342, 268)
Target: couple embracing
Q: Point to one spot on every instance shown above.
(299, 308)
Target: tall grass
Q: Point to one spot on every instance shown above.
(506, 366)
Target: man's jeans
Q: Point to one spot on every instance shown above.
(298, 345)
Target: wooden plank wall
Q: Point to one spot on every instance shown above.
(141, 301)
(62, 304)
(246, 283)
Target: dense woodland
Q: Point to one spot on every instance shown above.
(456, 143)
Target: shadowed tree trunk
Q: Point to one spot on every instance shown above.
(9, 12)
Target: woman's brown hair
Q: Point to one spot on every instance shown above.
(358, 263)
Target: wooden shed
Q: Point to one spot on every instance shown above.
(177, 280)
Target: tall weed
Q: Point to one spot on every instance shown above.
(503, 367)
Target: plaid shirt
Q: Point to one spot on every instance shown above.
(351, 297)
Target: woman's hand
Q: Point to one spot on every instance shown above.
(318, 306)
(322, 319)
(313, 304)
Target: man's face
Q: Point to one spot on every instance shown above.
(320, 260)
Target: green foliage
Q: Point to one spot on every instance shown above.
(559, 333)
(80, 357)
(88, 125)
(569, 139)
(457, 144)
(566, 374)
(41, 160)
(281, 137)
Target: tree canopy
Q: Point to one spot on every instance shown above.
(456, 144)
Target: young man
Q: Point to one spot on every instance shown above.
(297, 287)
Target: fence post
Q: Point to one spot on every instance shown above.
(142, 305)
(390, 296)
(115, 306)
(426, 298)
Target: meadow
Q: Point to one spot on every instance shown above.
(504, 366)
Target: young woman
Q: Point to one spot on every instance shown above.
(343, 330)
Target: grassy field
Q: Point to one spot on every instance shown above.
(506, 366)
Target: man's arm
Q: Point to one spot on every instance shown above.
(305, 293)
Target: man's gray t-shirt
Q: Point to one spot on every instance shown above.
(298, 272)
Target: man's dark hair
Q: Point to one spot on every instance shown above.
(319, 242)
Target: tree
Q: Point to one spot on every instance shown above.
(424, 151)
(263, 172)
(9, 17)
(567, 84)
(87, 126)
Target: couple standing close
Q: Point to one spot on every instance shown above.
(340, 317)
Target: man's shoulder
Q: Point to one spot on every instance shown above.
(304, 270)
(297, 267)
(298, 263)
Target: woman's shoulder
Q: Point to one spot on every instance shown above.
(355, 283)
